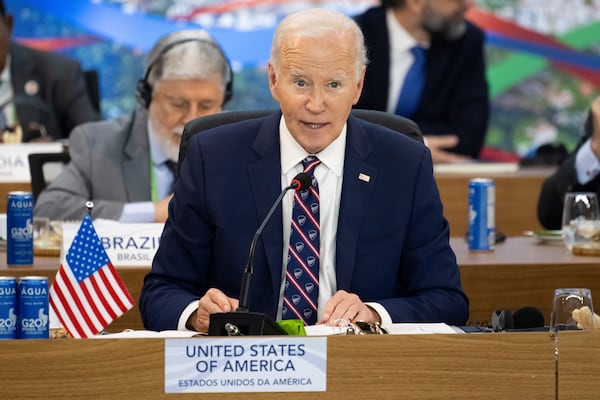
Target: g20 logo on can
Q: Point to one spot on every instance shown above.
(10, 322)
(22, 232)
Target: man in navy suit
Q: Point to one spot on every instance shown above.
(43, 92)
(453, 108)
(384, 249)
(580, 172)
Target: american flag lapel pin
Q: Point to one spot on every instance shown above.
(364, 177)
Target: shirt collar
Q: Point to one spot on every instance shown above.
(400, 39)
(292, 153)
(5, 76)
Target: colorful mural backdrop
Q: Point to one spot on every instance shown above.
(543, 55)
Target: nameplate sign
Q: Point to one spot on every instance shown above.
(128, 245)
(14, 164)
(240, 364)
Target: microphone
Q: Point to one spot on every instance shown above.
(246, 322)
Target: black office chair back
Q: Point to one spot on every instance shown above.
(392, 121)
(92, 82)
(36, 169)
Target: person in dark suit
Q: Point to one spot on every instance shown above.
(126, 165)
(453, 109)
(580, 172)
(43, 95)
(383, 244)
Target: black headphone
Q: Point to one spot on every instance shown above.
(525, 318)
(143, 90)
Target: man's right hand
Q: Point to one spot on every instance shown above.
(438, 145)
(214, 301)
(161, 209)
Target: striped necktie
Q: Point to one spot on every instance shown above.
(302, 275)
(414, 82)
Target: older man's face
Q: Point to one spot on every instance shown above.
(316, 86)
(176, 102)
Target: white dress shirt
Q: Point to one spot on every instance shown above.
(587, 165)
(329, 178)
(7, 93)
(401, 58)
(143, 211)
(329, 175)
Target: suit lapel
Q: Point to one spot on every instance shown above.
(136, 160)
(20, 60)
(357, 189)
(265, 179)
(377, 80)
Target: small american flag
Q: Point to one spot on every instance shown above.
(87, 293)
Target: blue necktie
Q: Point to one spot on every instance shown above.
(413, 84)
(302, 275)
(172, 165)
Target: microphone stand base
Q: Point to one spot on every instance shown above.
(248, 323)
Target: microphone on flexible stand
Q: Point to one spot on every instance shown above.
(252, 323)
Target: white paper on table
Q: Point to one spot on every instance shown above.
(143, 334)
(416, 329)
(394, 329)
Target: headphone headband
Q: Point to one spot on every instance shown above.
(143, 92)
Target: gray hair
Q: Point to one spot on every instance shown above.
(319, 23)
(187, 54)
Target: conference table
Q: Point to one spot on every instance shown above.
(499, 365)
(516, 198)
(517, 194)
(6, 188)
(434, 366)
(520, 272)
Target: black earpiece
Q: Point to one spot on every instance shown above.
(525, 318)
(143, 90)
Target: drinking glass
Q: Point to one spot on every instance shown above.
(580, 218)
(567, 303)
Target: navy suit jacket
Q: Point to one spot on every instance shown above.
(563, 180)
(55, 89)
(392, 239)
(455, 97)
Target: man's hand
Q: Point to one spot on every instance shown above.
(438, 145)
(214, 301)
(161, 209)
(348, 306)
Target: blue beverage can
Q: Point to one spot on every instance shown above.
(19, 229)
(482, 214)
(32, 299)
(8, 307)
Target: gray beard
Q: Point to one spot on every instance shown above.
(165, 144)
(170, 150)
(445, 28)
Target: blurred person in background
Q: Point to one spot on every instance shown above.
(580, 172)
(447, 92)
(126, 166)
(43, 95)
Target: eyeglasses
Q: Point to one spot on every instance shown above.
(181, 106)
